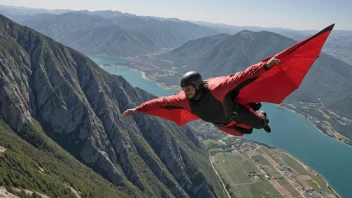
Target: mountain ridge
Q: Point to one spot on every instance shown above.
(80, 106)
(66, 27)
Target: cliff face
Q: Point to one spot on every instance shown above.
(80, 106)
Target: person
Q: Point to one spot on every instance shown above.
(214, 100)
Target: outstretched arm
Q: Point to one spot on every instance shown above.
(241, 79)
(255, 70)
(174, 101)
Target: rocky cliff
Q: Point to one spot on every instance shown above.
(80, 106)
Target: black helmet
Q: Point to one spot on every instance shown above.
(192, 78)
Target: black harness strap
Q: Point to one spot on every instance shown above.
(234, 93)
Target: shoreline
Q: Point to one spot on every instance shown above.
(315, 126)
(144, 76)
(314, 172)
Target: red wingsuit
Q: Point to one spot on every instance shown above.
(255, 84)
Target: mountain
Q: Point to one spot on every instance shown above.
(154, 34)
(20, 10)
(104, 13)
(225, 54)
(340, 46)
(339, 43)
(53, 98)
(232, 29)
(185, 29)
(113, 40)
(27, 11)
(59, 26)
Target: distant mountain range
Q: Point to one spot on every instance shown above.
(224, 54)
(161, 32)
(21, 10)
(339, 43)
(62, 125)
(113, 33)
(113, 40)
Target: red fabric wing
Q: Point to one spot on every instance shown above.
(179, 116)
(281, 80)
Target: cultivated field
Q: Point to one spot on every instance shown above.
(256, 171)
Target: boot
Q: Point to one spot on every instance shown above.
(266, 127)
(255, 105)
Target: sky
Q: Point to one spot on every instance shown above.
(296, 14)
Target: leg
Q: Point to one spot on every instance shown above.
(249, 118)
(235, 130)
(255, 105)
(242, 130)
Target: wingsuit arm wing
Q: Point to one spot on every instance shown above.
(243, 78)
(173, 102)
(174, 108)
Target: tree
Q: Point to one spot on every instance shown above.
(231, 194)
(36, 195)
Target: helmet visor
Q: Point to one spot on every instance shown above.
(187, 87)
